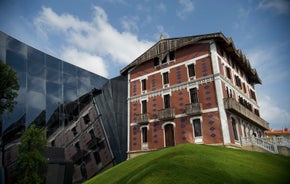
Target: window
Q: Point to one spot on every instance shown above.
(144, 135)
(86, 119)
(238, 81)
(164, 60)
(92, 133)
(193, 95)
(77, 146)
(171, 55)
(165, 78)
(166, 99)
(97, 157)
(228, 71)
(74, 130)
(191, 70)
(143, 84)
(197, 127)
(144, 106)
(156, 61)
(257, 112)
(234, 124)
(253, 95)
(53, 143)
(244, 87)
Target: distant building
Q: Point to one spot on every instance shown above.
(278, 133)
(55, 94)
(196, 89)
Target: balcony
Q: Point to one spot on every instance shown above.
(233, 106)
(166, 114)
(193, 109)
(142, 119)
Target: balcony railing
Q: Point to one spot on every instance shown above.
(193, 109)
(235, 107)
(166, 114)
(142, 119)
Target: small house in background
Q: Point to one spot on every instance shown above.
(278, 133)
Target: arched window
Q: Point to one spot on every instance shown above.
(234, 124)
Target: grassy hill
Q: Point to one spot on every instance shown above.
(191, 163)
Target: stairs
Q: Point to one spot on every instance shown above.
(275, 145)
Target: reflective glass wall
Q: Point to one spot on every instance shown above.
(46, 84)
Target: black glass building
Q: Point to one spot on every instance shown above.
(45, 83)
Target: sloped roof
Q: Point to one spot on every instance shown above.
(164, 46)
(278, 132)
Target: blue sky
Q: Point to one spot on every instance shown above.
(103, 36)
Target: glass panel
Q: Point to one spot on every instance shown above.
(16, 46)
(35, 84)
(16, 61)
(35, 55)
(35, 100)
(52, 62)
(53, 75)
(70, 93)
(53, 90)
(13, 117)
(36, 68)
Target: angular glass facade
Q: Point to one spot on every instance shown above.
(45, 83)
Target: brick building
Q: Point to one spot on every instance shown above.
(197, 89)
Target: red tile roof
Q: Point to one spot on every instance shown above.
(278, 132)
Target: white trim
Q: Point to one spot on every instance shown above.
(128, 115)
(219, 95)
(184, 85)
(164, 138)
(166, 123)
(170, 67)
(144, 145)
(198, 139)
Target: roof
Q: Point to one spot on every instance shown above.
(278, 132)
(164, 46)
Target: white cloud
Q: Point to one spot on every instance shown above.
(130, 23)
(277, 117)
(85, 60)
(267, 60)
(279, 6)
(187, 7)
(161, 7)
(96, 39)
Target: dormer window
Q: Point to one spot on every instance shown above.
(169, 57)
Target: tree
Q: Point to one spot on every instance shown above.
(8, 88)
(31, 160)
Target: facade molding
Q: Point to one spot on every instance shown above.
(167, 69)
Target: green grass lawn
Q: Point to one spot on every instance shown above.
(191, 163)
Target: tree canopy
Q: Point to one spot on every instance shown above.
(8, 87)
(31, 160)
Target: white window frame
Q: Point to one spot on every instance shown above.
(144, 145)
(199, 139)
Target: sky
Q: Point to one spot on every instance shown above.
(103, 36)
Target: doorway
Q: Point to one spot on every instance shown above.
(169, 135)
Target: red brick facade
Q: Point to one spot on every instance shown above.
(217, 76)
